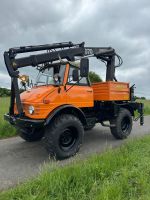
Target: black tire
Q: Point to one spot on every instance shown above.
(31, 134)
(123, 124)
(64, 136)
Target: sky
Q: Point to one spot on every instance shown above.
(121, 24)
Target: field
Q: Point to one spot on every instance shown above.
(118, 174)
(146, 106)
(6, 130)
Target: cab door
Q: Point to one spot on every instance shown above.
(79, 94)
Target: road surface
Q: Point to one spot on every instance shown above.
(20, 160)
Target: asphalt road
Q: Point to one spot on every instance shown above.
(20, 160)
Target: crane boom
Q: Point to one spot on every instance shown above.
(65, 50)
(54, 52)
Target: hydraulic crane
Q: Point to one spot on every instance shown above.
(66, 104)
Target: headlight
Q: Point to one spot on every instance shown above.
(31, 110)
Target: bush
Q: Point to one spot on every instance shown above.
(94, 77)
(4, 92)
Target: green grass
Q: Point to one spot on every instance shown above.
(146, 106)
(6, 130)
(119, 174)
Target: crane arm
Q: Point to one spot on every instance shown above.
(66, 50)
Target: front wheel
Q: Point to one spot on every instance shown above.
(64, 136)
(122, 124)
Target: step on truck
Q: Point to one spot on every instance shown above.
(63, 103)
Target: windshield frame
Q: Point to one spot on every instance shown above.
(41, 73)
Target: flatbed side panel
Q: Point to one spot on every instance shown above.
(111, 91)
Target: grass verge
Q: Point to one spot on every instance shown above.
(6, 130)
(120, 174)
(146, 106)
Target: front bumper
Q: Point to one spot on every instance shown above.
(24, 122)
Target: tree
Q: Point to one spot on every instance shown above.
(4, 92)
(94, 77)
(143, 98)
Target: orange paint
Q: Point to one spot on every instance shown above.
(111, 91)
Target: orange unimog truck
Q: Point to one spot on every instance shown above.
(62, 104)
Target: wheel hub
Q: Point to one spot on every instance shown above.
(67, 139)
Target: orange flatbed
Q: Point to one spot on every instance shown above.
(111, 91)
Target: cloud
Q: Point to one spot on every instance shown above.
(122, 24)
(4, 80)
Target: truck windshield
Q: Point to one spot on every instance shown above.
(48, 76)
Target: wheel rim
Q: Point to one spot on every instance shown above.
(125, 124)
(68, 138)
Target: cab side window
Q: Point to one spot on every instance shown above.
(82, 81)
(70, 78)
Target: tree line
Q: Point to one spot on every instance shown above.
(4, 92)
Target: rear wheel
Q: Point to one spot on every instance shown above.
(122, 124)
(31, 134)
(64, 136)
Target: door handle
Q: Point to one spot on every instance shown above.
(89, 91)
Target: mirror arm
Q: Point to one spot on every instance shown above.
(73, 84)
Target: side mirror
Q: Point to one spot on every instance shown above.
(75, 75)
(84, 67)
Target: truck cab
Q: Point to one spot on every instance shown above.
(55, 86)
